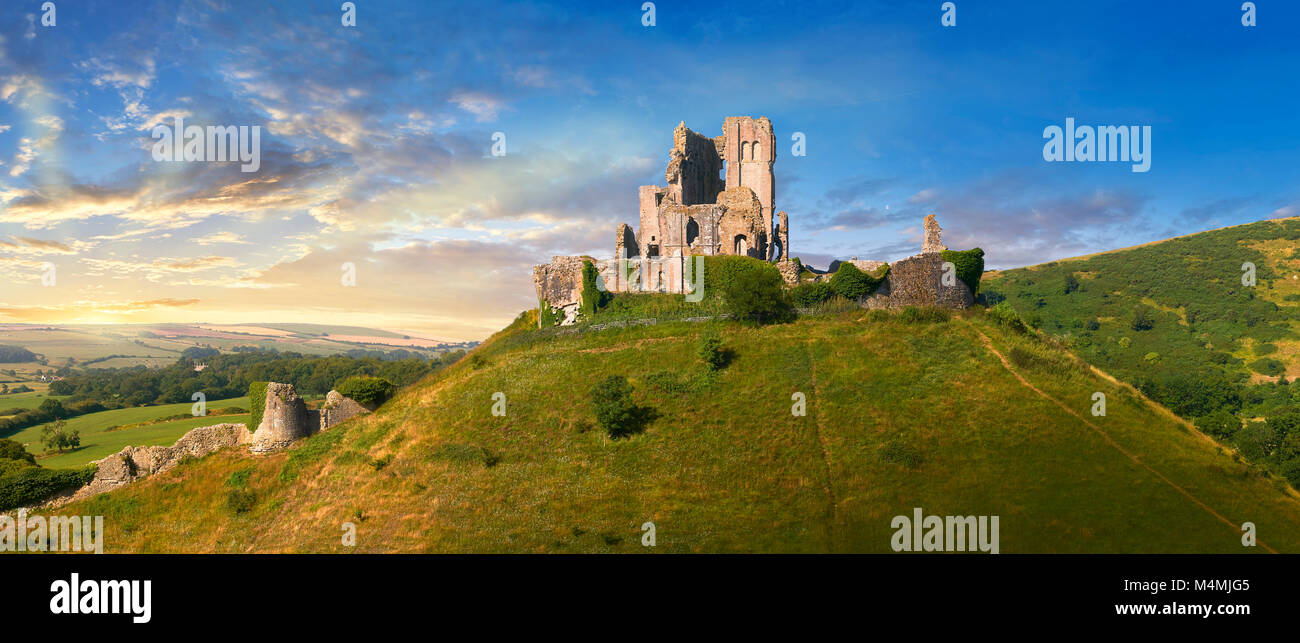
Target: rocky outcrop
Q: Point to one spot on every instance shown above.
(284, 420)
(132, 463)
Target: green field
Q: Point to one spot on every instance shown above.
(27, 400)
(97, 443)
(959, 417)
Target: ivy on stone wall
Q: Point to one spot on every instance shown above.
(851, 283)
(256, 404)
(593, 298)
(970, 266)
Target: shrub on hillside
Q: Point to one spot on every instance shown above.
(240, 501)
(1268, 366)
(1256, 441)
(1143, 319)
(31, 485)
(1220, 424)
(1007, 316)
(612, 400)
(710, 351)
(969, 265)
(11, 450)
(753, 291)
(366, 390)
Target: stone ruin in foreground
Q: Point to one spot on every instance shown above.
(720, 200)
(285, 419)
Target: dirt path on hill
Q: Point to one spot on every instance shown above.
(988, 343)
(833, 511)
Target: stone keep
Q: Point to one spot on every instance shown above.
(284, 420)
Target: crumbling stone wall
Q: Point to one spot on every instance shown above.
(285, 419)
(694, 168)
(339, 408)
(917, 281)
(133, 463)
(789, 271)
(559, 285)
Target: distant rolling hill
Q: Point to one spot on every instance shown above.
(957, 417)
(121, 345)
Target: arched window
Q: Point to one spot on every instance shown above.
(692, 231)
(741, 245)
(755, 151)
(744, 150)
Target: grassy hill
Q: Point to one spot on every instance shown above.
(958, 417)
(1176, 319)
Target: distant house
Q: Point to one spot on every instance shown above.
(199, 367)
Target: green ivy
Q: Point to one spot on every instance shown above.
(593, 298)
(970, 266)
(256, 404)
(851, 283)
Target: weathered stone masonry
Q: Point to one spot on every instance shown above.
(720, 200)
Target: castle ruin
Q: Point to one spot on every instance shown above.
(719, 200)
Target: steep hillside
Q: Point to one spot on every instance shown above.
(958, 417)
(1178, 320)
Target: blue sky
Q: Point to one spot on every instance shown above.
(376, 138)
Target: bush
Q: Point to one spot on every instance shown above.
(11, 450)
(969, 265)
(1256, 441)
(753, 290)
(31, 485)
(256, 404)
(1142, 318)
(1220, 424)
(612, 400)
(367, 391)
(13, 466)
(240, 501)
(709, 349)
(1007, 316)
(851, 283)
(1268, 366)
(811, 294)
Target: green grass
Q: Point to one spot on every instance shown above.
(97, 442)
(899, 415)
(26, 400)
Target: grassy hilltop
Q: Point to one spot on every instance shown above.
(958, 416)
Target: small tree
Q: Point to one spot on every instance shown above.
(615, 412)
(56, 436)
(755, 292)
(1142, 318)
(1071, 283)
(709, 348)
